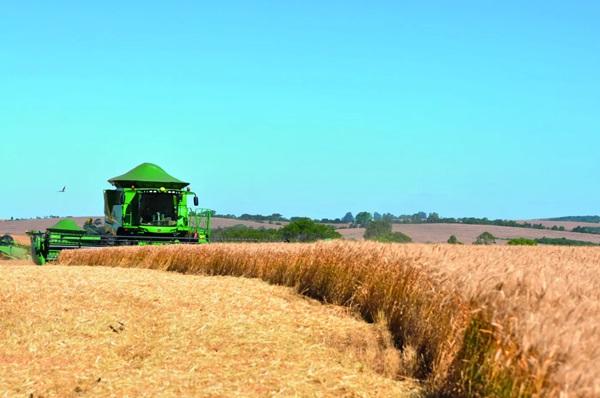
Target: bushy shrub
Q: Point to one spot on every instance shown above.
(564, 242)
(381, 231)
(395, 237)
(453, 240)
(299, 230)
(363, 219)
(587, 230)
(485, 239)
(306, 230)
(522, 242)
(377, 228)
(242, 233)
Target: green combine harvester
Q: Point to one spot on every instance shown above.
(9, 249)
(146, 207)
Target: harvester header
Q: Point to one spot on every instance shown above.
(146, 206)
(9, 248)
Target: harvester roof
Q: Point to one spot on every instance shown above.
(66, 224)
(147, 175)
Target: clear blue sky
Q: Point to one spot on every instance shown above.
(468, 108)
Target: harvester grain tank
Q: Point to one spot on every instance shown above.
(146, 206)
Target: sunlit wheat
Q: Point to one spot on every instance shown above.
(499, 321)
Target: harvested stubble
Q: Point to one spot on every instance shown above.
(81, 331)
(480, 321)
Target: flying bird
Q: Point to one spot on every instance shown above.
(63, 189)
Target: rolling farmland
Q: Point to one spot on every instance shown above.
(466, 233)
(466, 320)
(420, 233)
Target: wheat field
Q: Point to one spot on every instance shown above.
(106, 332)
(475, 321)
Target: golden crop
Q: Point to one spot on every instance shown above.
(70, 331)
(480, 321)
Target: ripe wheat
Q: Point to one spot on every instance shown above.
(479, 321)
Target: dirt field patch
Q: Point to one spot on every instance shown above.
(439, 233)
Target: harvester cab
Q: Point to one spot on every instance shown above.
(145, 206)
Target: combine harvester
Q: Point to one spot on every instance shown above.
(147, 207)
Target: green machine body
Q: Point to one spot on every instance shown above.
(146, 206)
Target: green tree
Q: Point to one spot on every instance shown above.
(388, 217)
(420, 216)
(306, 230)
(381, 231)
(485, 239)
(433, 217)
(363, 219)
(348, 218)
(276, 217)
(378, 228)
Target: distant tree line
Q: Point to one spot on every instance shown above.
(587, 230)
(298, 230)
(522, 242)
(243, 233)
(275, 217)
(363, 218)
(488, 239)
(564, 242)
(590, 219)
(33, 218)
